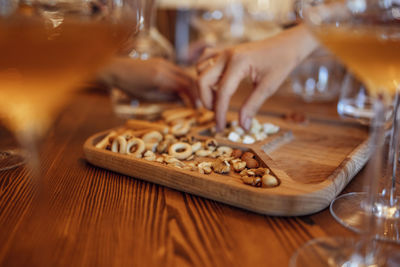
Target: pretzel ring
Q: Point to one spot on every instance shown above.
(152, 137)
(196, 146)
(225, 151)
(106, 140)
(180, 128)
(180, 150)
(138, 145)
(119, 145)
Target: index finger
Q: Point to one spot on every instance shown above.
(229, 84)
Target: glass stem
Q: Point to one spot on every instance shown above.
(147, 16)
(389, 191)
(367, 246)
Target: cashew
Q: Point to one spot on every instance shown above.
(234, 137)
(269, 128)
(196, 147)
(211, 144)
(203, 153)
(270, 181)
(205, 170)
(160, 159)
(204, 167)
(152, 137)
(254, 181)
(247, 139)
(247, 172)
(221, 166)
(225, 151)
(106, 140)
(119, 145)
(204, 164)
(180, 129)
(137, 145)
(175, 150)
(149, 155)
(260, 136)
(255, 126)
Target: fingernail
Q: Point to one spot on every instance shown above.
(247, 123)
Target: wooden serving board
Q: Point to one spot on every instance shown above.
(313, 161)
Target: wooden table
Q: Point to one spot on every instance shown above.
(100, 218)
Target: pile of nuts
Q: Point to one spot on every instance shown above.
(258, 132)
(188, 153)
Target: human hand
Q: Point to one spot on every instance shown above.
(267, 63)
(152, 79)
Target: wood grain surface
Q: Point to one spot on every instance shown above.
(94, 217)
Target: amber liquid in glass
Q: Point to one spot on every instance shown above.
(371, 52)
(40, 65)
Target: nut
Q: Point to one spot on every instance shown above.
(250, 173)
(247, 139)
(225, 151)
(173, 161)
(252, 163)
(234, 137)
(247, 155)
(211, 144)
(149, 155)
(160, 159)
(221, 166)
(239, 166)
(191, 157)
(204, 167)
(253, 181)
(270, 181)
(261, 171)
(237, 153)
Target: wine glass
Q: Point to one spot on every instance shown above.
(365, 36)
(147, 43)
(48, 48)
